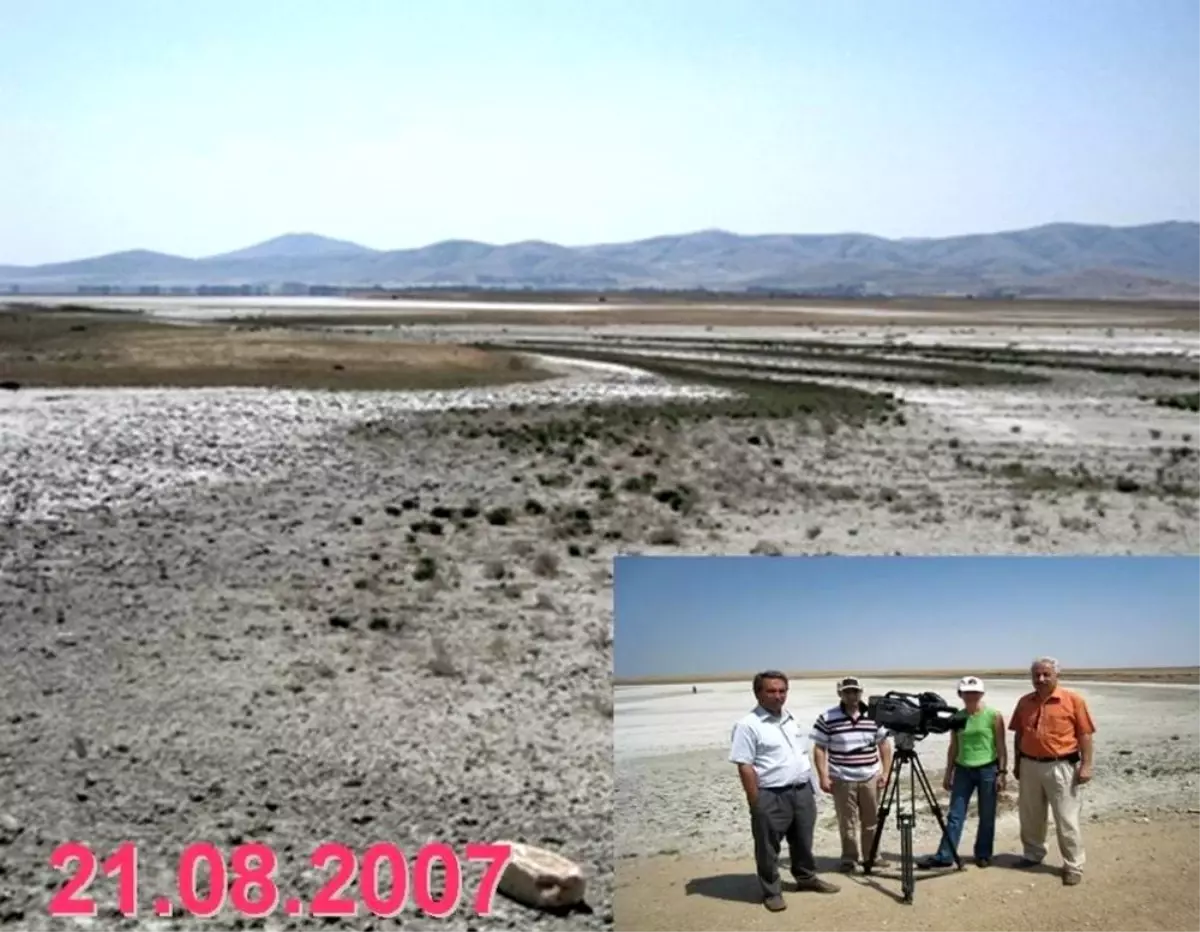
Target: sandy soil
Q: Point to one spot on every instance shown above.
(303, 616)
(1141, 874)
(683, 841)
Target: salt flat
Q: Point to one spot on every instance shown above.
(205, 307)
(1121, 338)
(652, 721)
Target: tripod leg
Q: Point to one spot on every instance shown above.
(937, 810)
(886, 798)
(908, 879)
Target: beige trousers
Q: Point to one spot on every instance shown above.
(857, 805)
(1051, 785)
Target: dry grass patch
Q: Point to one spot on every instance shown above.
(78, 349)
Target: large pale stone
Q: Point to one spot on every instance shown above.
(10, 828)
(541, 878)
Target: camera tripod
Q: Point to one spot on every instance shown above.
(906, 753)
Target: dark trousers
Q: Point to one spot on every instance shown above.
(779, 814)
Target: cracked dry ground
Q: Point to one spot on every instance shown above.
(410, 638)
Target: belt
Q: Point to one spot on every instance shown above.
(1072, 758)
(783, 789)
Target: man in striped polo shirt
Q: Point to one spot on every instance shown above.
(852, 756)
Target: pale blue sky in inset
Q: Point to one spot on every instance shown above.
(196, 128)
(697, 615)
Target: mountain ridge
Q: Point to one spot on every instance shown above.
(1050, 260)
(297, 245)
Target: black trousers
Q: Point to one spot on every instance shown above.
(777, 814)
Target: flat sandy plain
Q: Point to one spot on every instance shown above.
(296, 614)
(683, 837)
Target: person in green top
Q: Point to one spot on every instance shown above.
(977, 761)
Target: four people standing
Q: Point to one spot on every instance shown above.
(1052, 748)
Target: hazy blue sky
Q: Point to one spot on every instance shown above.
(736, 614)
(198, 127)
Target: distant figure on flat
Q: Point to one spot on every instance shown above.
(1052, 750)
(776, 776)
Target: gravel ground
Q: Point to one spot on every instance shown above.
(220, 622)
(213, 632)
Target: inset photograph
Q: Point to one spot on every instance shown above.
(897, 742)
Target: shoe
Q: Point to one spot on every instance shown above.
(775, 904)
(983, 862)
(933, 864)
(816, 885)
(847, 867)
(1027, 863)
(881, 862)
(1071, 879)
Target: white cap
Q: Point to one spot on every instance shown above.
(971, 684)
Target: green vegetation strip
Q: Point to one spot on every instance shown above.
(1079, 478)
(888, 369)
(1183, 401)
(754, 398)
(993, 356)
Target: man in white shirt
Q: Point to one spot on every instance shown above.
(773, 766)
(852, 756)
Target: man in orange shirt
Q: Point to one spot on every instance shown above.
(1052, 760)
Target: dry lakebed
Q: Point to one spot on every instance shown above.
(338, 577)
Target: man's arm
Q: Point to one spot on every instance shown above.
(885, 755)
(818, 741)
(1014, 725)
(1085, 728)
(749, 783)
(820, 759)
(742, 753)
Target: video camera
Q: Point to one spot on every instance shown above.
(917, 714)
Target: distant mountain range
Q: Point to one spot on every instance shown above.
(1160, 260)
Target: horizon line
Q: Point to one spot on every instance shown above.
(664, 679)
(601, 244)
